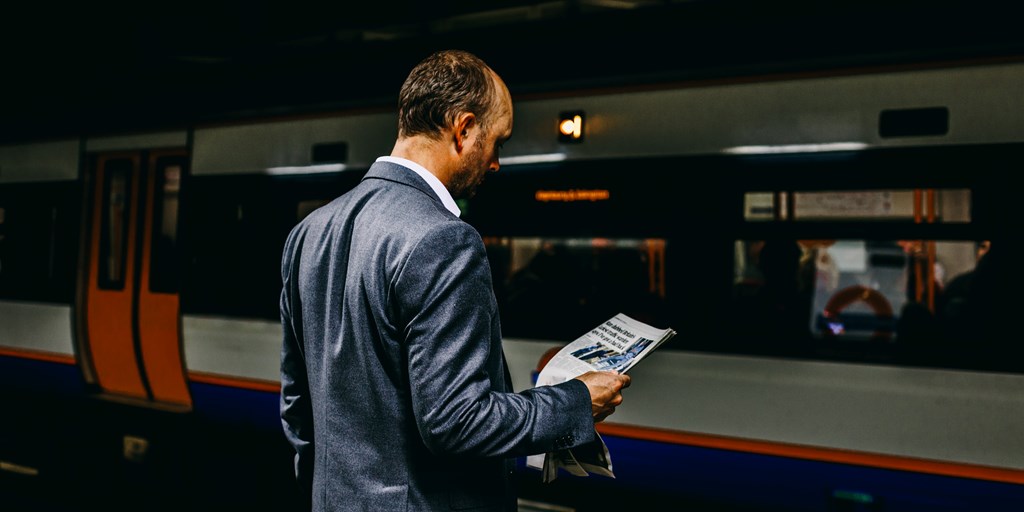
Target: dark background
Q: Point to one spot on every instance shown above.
(102, 67)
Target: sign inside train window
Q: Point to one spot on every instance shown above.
(944, 205)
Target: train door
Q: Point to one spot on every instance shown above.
(128, 323)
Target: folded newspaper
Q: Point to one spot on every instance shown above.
(617, 344)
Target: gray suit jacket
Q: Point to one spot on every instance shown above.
(394, 389)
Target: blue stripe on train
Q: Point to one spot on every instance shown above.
(765, 481)
(40, 377)
(238, 406)
(227, 405)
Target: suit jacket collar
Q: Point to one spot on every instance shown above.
(393, 172)
(396, 173)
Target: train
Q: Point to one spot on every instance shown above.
(832, 249)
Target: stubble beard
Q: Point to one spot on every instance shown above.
(467, 180)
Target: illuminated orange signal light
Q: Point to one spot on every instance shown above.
(567, 127)
(570, 127)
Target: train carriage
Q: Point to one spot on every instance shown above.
(809, 238)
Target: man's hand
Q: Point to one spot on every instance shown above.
(605, 392)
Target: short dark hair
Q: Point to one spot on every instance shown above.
(441, 87)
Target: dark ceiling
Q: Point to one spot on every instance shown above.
(91, 68)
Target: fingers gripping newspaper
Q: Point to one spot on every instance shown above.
(617, 344)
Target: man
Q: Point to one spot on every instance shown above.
(394, 389)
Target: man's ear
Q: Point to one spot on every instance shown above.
(465, 122)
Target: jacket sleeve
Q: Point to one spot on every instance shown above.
(295, 404)
(450, 319)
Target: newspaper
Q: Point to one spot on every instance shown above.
(617, 344)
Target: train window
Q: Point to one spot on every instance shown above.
(114, 229)
(942, 205)
(848, 290)
(871, 256)
(38, 241)
(572, 244)
(237, 227)
(232, 238)
(554, 288)
(164, 267)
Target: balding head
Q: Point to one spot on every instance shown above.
(444, 85)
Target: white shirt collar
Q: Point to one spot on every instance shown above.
(435, 184)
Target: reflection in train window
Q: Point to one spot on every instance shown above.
(932, 205)
(557, 288)
(849, 290)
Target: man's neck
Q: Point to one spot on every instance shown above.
(426, 152)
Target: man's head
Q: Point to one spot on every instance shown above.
(460, 105)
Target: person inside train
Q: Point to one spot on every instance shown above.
(777, 303)
(995, 303)
(956, 307)
(395, 393)
(542, 299)
(561, 292)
